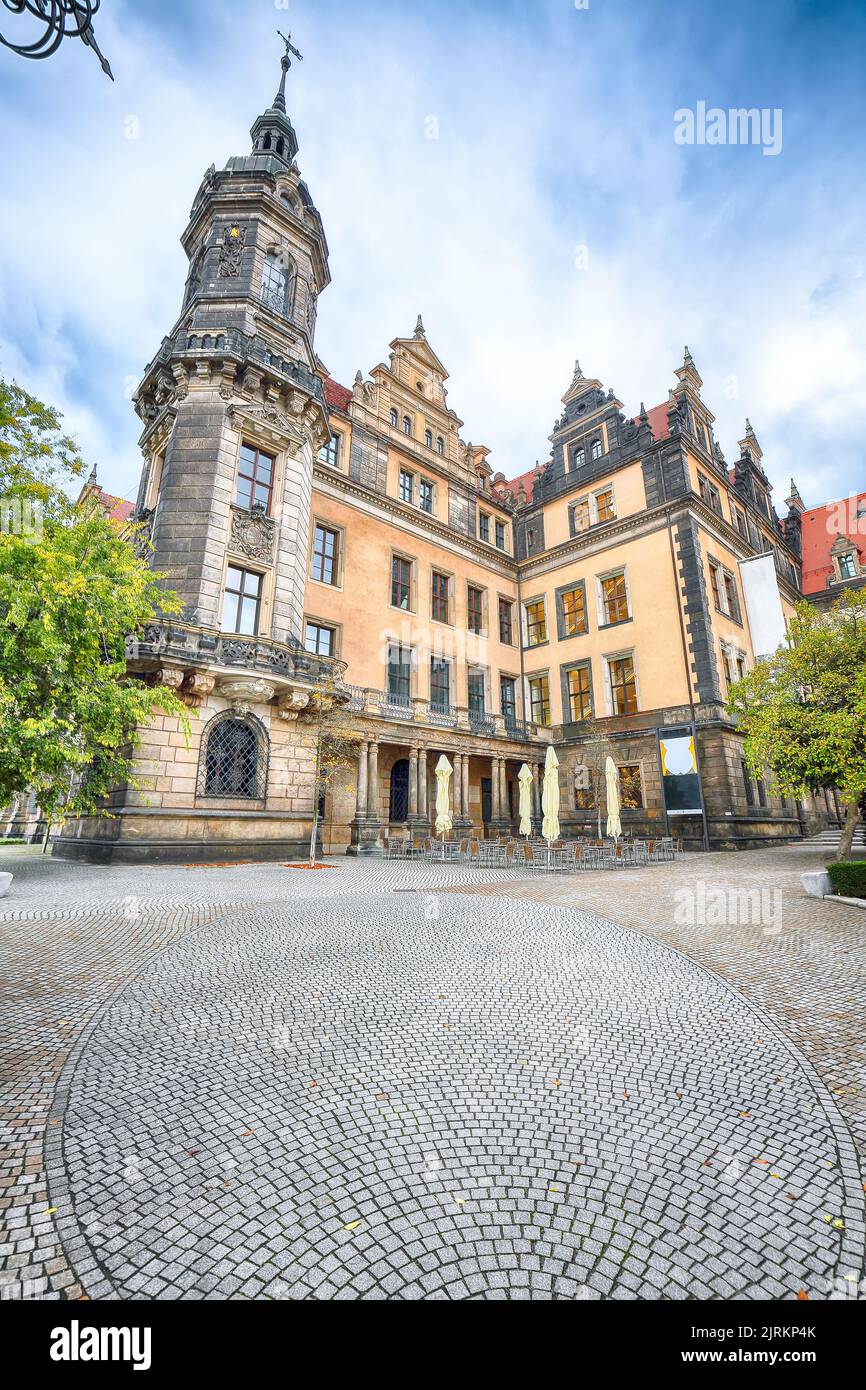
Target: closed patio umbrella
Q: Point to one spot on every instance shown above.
(444, 822)
(550, 799)
(524, 805)
(614, 826)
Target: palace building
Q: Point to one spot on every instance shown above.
(603, 602)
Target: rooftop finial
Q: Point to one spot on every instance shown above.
(419, 328)
(279, 101)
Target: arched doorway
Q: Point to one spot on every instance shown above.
(398, 805)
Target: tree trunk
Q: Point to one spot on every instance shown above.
(313, 833)
(852, 815)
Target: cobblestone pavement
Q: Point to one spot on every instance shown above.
(746, 917)
(263, 1082)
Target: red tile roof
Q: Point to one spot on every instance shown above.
(658, 419)
(821, 526)
(116, 507)
(512, 485)
(336, 395)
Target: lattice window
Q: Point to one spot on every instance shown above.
(234, 759)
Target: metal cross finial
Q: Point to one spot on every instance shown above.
(290, 47)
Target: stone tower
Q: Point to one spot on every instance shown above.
(239, 368)
(234, 415)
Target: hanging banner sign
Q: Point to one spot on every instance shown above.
(681, 782)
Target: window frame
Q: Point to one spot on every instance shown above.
(243, 598)
(610, 660)
(437, 574)
(604, 621)
(398, 557)
(337, 559)
(583, 668)
(531, 678)
(530, 624)
(508, 604)
(253, 478)
(478, 610)
(576, 586)
(321, 626)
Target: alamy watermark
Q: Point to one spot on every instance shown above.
(703, 906)
(739, 125)
(20, 516)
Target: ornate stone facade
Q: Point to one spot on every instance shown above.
(349, 539)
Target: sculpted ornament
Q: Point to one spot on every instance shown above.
(252, 535)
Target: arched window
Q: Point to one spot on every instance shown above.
(266, 143)
(275, 282)
(393, 418)
(579, 458)
(280, 145)
(440, 444)
(595, 452)
(234, 758)
(407, 425)
(428, 438)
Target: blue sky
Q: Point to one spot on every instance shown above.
(554, 216)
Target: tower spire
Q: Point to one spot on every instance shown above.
(279, 101)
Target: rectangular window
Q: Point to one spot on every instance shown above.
(580, 517)
(440, 684)
(536, 623)
(623, 685)
(579, 693)
(330, 454)
(255, 480)
(500, 535)
(539, 699)
(505, 622)
(399, 672)
(475, 609)
(747, 784)
(716, 587)
(475, 692)
(630, 786)
(440, 593)
(733, 602)
(604, 506)
(401, 582)
(484, 526)
(741, 666)
(320, 639)
(425, 496)
(241, 602)
(574, 619)
(614, 598)
(508, 697)
(741, 523)
(326, 554)
(407, 486)
(728, 667)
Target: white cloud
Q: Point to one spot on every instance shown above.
(550, 137)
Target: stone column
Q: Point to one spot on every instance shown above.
(361, 800)
(373, 782)
(457, 785)
(422, 786)
(464, 782)
(495, 809)
(413, 783)
(503, 792)
(536, 795)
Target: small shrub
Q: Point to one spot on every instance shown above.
(849, 878)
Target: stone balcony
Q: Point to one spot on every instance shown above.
(245, 670)
(413, 709)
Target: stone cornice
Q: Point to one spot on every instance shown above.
(332, 482)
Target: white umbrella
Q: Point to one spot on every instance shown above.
(444, 822)
(524, 805)
(550, 799)
(611, 777)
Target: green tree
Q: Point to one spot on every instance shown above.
(803, 710)
(72, 588)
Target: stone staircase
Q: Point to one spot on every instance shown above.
(829, 840)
